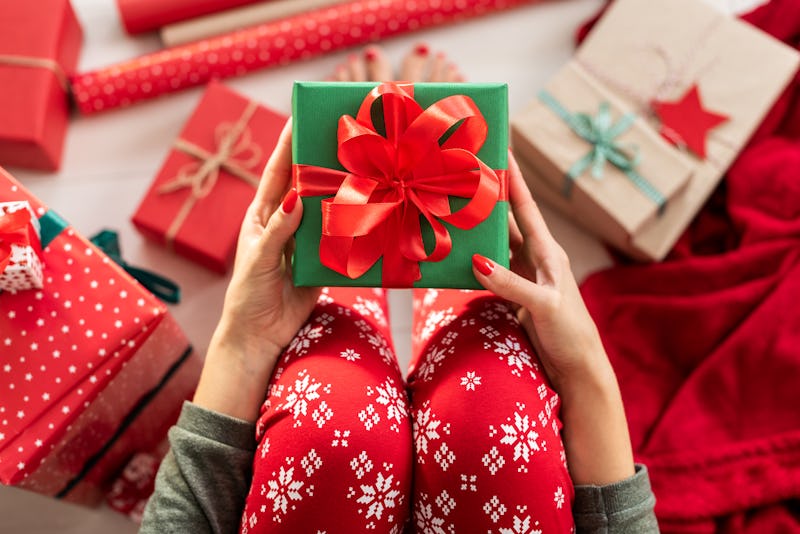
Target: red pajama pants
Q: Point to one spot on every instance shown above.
(471, 443)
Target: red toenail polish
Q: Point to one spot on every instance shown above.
(484, 265)
(370, 55)
(422, 50)
(289, 201)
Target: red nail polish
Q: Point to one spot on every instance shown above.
(422, 50)
(485, 266)
(370, 55)
(289, 201)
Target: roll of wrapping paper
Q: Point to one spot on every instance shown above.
(144, 15)
(235, 19)
(302, 36)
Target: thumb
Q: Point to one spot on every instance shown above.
(280, 228)
(507, 284)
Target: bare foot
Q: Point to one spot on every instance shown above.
(418, 66)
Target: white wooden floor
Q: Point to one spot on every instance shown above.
(110, 160)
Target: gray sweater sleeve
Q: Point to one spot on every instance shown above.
(624, 507)
(203, 481)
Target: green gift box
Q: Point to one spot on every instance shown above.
(401, 184)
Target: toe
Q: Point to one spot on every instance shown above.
(439, 68)
(357, 68)
(416, 64)
(378, 67)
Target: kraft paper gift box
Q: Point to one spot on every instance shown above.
(197, 201)
(92, 367)
(366, 154)
(39, 46)
(691, 74)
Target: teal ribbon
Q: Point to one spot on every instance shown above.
(51, 224)
(601, 132)
(163, 288)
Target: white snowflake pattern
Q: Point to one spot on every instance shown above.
(515, 356)
(303, 339)
(322, 414)
(445, 502)
(436, 320)
(340, 438)
(369, 417)
(559, 498)
(311, 462)
(433, 358)
(493, 460)
(521, 436)
(350, 355)
(425, 519)
(395, 403)
(470, 380)
(521, 526)
(430, 297)
(469, 482)
(444, 456)
(361, 465)
(380, 496)
(370, 308)
(426, 429)
(282, 491)
(494, 508)
(299, 395)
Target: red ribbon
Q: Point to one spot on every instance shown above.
(391, 181)
(15, 229)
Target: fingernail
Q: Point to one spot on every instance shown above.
(289, 201)
(422, 50)
(352, 57)
(370, 55)
(485, 266)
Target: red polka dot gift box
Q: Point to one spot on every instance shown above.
(39, 47)
(92, 367)
(196, 203)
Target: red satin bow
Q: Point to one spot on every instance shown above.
(15, 229)
(393, 180)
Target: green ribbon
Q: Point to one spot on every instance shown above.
(601, 132)
(51, 224)
(163, 288)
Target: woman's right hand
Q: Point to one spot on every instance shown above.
(556, 319)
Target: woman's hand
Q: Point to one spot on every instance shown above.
(263, 310)
(566, 339)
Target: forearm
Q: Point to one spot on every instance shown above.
(236, 374)
(596, 437)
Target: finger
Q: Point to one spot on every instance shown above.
(514, 235)
(527, 214)
(280, 228)
(508, 284)
(276, 177)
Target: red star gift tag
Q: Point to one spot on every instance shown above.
(685, 122)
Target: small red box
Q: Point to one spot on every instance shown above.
(92, 368)
(39, 47)
(195, 204)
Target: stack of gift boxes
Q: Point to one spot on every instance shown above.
(628, 139)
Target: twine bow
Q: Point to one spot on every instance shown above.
(236, 153)
(601, 132)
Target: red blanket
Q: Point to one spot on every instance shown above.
(707, 344)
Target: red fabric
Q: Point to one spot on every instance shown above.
(707, 344)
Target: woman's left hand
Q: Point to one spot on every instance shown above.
(263, 309)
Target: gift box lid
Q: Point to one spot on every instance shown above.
(39, 47)
(317, 108)
(60, 346)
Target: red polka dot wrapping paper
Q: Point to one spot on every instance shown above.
(143, 15)
(267, 45)
(75, 358)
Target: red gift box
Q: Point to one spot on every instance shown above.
(39, 46)
(92, 367)
(198, 200)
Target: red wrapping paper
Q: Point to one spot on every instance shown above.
(274, 43)
(39, 46)
(143, 15)
(213, 209)
(79, 358)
